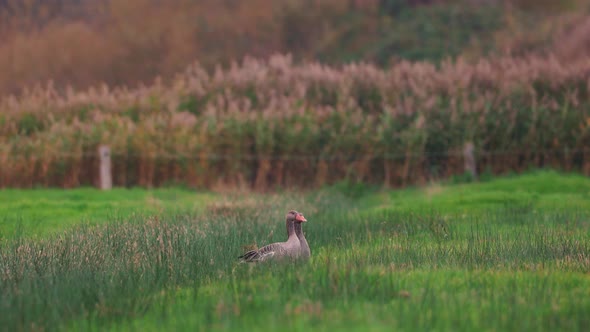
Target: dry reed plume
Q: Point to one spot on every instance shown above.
(274, 123)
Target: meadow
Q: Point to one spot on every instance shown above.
(510, 253)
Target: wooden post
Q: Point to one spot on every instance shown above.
(469, 158)
(106, 179)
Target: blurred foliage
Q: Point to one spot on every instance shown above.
(80, 43)
(435, 32)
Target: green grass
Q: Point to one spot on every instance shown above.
(507, 254)
(46, 211)
(539, 190)
(415, 300)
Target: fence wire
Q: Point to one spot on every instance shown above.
(291, 157)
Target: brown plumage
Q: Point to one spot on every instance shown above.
(279, 250)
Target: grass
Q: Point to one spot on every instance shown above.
(507, 254)
(47, 211)
(543, 190)
(417, 300)
(356, 121)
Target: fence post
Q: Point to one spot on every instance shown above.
(104, 156)
(469, 158)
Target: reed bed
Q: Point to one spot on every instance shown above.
(267, 124)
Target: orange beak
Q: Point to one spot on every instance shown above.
(300, 218)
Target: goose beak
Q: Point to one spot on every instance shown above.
(300, 218)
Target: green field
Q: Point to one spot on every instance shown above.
(43, 212)
(506, 254)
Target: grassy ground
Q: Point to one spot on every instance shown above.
(508, 254)
(43, 212)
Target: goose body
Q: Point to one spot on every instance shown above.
(280, 250)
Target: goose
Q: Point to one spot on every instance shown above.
(279, 250)
(304, 251)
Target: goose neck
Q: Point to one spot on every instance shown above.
(291, 228)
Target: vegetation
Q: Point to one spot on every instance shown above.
(275, 121)
(81, 43)
(43, 212)
(269, 124)
(382, 93)
(508, 254)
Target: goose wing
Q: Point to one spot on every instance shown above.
(263, 253)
